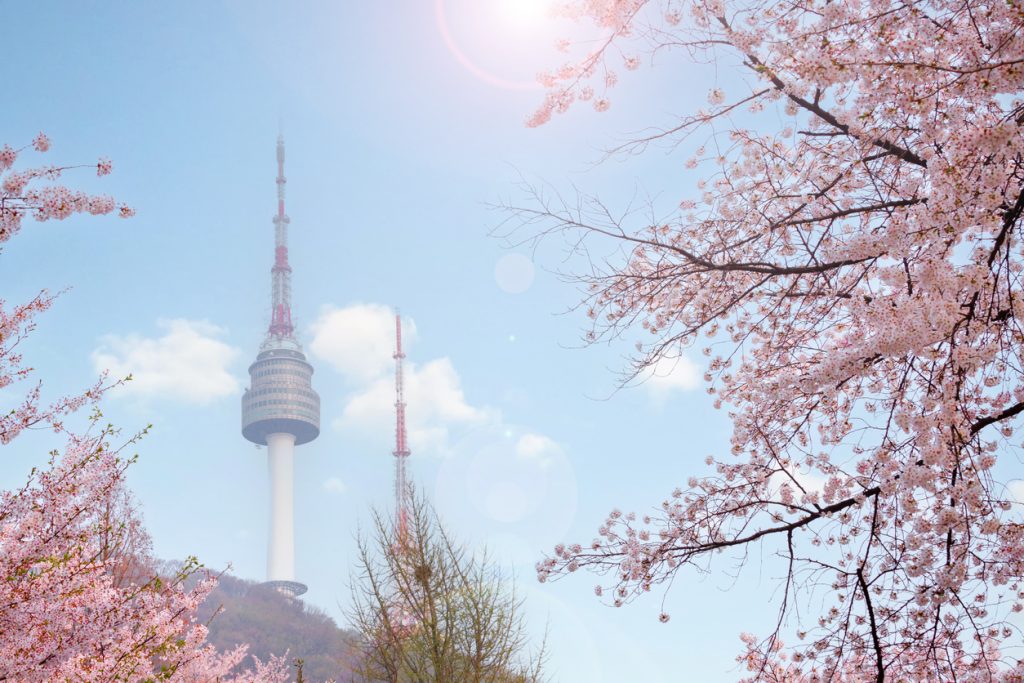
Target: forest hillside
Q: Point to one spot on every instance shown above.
(271, 623)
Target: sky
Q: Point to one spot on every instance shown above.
(404, 125)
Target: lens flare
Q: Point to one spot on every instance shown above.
(515, 14)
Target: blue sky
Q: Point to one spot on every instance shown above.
(398, 144)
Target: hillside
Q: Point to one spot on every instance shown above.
(273, 624)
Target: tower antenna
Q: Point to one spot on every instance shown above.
(281, 273)
(401, 451)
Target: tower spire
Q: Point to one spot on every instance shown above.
(281, 273)
(401, 451)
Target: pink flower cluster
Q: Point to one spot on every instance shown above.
(56, 202)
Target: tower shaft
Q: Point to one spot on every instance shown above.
(281, 541)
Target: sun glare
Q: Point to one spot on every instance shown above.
(524, 11)
(492, 39)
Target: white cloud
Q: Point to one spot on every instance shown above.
(358, 341)
(491, 473)
(669, 375)
(810, 481)
(1015, 491)
(796, 478)
(435, 402)
(188, 363)
(538, 448)
(335, 485)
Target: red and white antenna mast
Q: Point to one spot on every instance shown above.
(281, 273)
(401, 451)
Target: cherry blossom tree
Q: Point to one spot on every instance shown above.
(20, 198)
(80, 599)
(850, 265)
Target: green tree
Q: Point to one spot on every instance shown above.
(430, 611)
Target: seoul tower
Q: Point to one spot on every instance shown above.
(281, 410)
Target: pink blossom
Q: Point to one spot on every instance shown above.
(7, 157)
(41, 143)
(14, 183)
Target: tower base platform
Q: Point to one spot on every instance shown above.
(292, 589)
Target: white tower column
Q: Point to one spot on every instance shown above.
(281, 546)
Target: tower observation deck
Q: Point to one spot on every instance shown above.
(281, 410)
